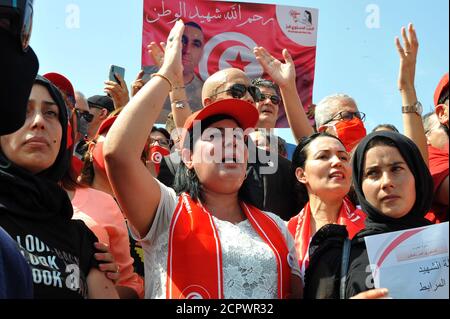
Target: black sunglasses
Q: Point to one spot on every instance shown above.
(84, 114)
(238, 91)
(346, 116)
(275, 99)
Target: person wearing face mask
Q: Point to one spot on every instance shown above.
(338, 115)
(159, 144)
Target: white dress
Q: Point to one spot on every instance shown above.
(249, 264)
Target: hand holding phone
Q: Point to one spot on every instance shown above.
(116, 87)
(113, 70)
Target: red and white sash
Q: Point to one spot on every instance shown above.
(300, 228)
(194, 265)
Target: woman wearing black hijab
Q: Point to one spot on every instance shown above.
(395, 190)
(37, 213)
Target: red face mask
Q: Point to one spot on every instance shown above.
(156, 155)
(350, 132)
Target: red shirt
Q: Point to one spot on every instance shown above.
(438, 163)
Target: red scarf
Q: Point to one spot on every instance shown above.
(300, 228)
(194, 265)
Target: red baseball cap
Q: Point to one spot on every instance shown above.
(62, 83)
(245, 114)
(443, 85)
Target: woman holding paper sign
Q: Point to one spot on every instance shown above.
(395, 190)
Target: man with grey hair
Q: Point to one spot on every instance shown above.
(435, 133)
(338, 114)
(269, 103)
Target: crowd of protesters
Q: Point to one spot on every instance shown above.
(98, 202)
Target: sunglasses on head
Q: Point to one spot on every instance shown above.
(238, 91)
(275, 99)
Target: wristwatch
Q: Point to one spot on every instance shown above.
(415, 108)
(180, 104)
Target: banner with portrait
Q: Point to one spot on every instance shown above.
(232, 29)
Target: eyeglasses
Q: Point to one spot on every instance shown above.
(346, 116)
(162, 142)
(238, 91)
(84, 114)
(275, 99)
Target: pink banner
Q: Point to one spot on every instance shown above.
(231, 31)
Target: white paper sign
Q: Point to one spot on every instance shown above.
(412, 264)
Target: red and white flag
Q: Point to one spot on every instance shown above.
(233, 29)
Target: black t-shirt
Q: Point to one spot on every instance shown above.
(59, 251)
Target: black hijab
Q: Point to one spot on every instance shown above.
(38, 196)
(376, 222)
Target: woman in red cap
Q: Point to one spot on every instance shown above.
(203, 241)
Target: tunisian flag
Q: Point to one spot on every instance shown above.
(233, 29)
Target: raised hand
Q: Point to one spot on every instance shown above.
(172, 65)
(138, 83)
(117, 91)
(408, 57)
(156, 52)
(283, 74)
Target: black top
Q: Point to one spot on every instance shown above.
(37, 214)
(60, 253)
(322, 277)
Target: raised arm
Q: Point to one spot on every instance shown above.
(135, 188)
(412, 122)
(283, 74)
(178, 96)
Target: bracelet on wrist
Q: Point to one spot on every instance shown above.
(163, 77)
